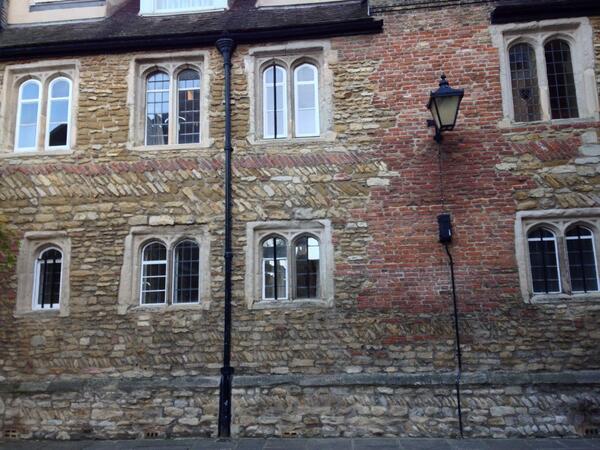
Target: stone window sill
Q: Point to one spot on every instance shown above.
(328, 136)
(38, 313)
(291, 304)
(151, 148)
(509, 124)
(171, 307)
(37, 154)
(551, 299)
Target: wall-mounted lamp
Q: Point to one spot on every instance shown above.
(444, 104)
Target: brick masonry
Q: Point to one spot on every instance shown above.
(378, 183)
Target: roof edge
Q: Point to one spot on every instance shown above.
(355, 27)
(525, 11)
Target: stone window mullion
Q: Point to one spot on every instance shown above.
(542, 74)
(563, 259)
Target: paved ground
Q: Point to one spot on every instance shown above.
(312, 444)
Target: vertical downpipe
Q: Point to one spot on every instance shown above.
(226, 47)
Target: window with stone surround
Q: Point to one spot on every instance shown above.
(168, 101)
(290, 92)
(289, 264)
(38, 106)
(165, 266)
(556, 253)
(547, 70)
(43, 268)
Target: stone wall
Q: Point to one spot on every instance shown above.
(378, 183)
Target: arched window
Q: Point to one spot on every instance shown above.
(186, 288)
(28, 115)
(543, 261)
(274, 102)
(154, 274)
(274, 268)
(59, 113)
(157, 108)
(582, 259)
(561, 83)
(48, 275)
(307, 260)
(525, 89)
(188, 107)
(306, 100)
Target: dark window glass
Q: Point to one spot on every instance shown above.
(187, 272)
(582, 260)
(561, 84)
(154, 273)
(275, 268)
(188, 88)
(307, 267)
(543, 261)
(157, 109)
(49, 274)
(525, 90)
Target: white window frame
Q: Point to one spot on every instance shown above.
(150, 7)
(38, 118)
(578, 33)
(592, 237)
(257, 232)
(32, 246)
(172, 63)
(558, 221)
(48, 114)
(315, 82)
(36, 279)
(284, 104)
(145, 263)
(130, 287)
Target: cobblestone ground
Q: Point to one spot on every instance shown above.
(312, 444)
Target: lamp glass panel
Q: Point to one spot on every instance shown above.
(444, 111)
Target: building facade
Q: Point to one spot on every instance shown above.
(111, 192)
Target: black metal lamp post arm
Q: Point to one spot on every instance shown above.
(226, 46)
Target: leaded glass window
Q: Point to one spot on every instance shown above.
(48, 275)
(525, 89)
(188, 103)
(157, 108)
(154, 274)
(582, 259)
(543, 256)
(59, 113)
(28, 115)
(561, 82)
(187, 273)
(274, 102)
(307, 259)
(275, 268)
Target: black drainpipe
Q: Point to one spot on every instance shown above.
(226, 46)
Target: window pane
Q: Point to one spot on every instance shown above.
(60, 89)
(154, 274)
(59, 104)
(307, 267)
(189, 107)
(524, 80)
(187, 272)
(157, 109)
(27, 136)
(275, 268)
(30, 91)
(306, 96)
(305, 122)
(305, 73)
(274, 99)
(49, 268)
(561, 83)
(543, 261)
(582, 260)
